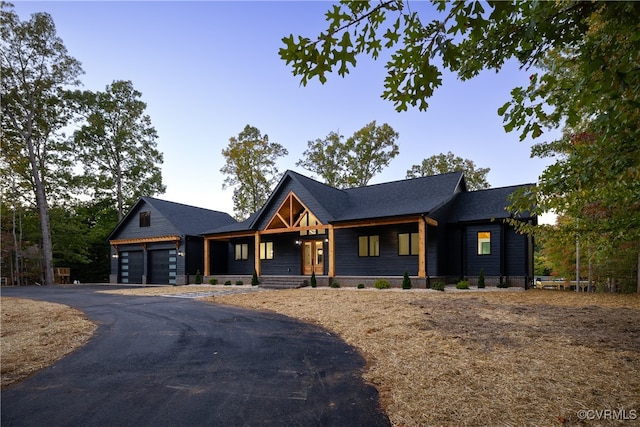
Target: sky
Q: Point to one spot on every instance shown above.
(207, 69)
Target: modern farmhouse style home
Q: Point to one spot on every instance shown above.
(431, 227)
(160, 242)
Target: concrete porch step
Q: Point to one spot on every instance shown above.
(283, 282)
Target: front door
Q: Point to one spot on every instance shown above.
(312, 257)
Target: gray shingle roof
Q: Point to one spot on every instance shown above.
(398, 198)
(188, 220)
(484, 204)
(393, 199)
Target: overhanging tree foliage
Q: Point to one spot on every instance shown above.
(476, 179)
(251, 169)
(36, 71)
(351, 163)
(586, 78)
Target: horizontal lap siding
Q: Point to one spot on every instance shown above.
(160, 226)
(489, 263)
(515, 253)
(286, 255)
(389, 263)
(241, 266)
(434, 243)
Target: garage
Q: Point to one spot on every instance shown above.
(158, 266)
(131, 266)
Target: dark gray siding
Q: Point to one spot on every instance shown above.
(241, 266)
(389, 263)
(160, 226)
(219, 257)
(434, 242)
(287, 256)
(454, 245)
(491, 264)
(194, 255)
(515, 252)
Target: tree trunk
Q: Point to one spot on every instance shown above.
(43, 212)
(119, 197)
(638, 281)
(17, 249)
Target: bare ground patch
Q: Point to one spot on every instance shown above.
(481, 358)
(34, 334)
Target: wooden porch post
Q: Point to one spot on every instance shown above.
(207, 267)
(256, 256)
(422, 253)
(332, 253)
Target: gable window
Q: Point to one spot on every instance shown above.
(369, 246)
(266, 250)
(241, 251)
(145, 219)
(484, 243)
(408, 244)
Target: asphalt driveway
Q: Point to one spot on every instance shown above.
(158, 361)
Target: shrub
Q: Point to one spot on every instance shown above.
(382, 284)
(438, 286)
(360, 285)
(406, 281)
(463, 284)
(254, 279)
(239, 283)
(198, 278)
(213, 281)
(335, 284)
(481, 279)
(227, 283)
(314, 282)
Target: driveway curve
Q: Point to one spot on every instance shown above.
(157, 361)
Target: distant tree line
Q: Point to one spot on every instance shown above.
(251, 158)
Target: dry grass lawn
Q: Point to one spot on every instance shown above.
(437, 358)
(481, 358)
(34, 334)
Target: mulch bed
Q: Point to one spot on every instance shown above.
(35, 334)
(482, 358)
